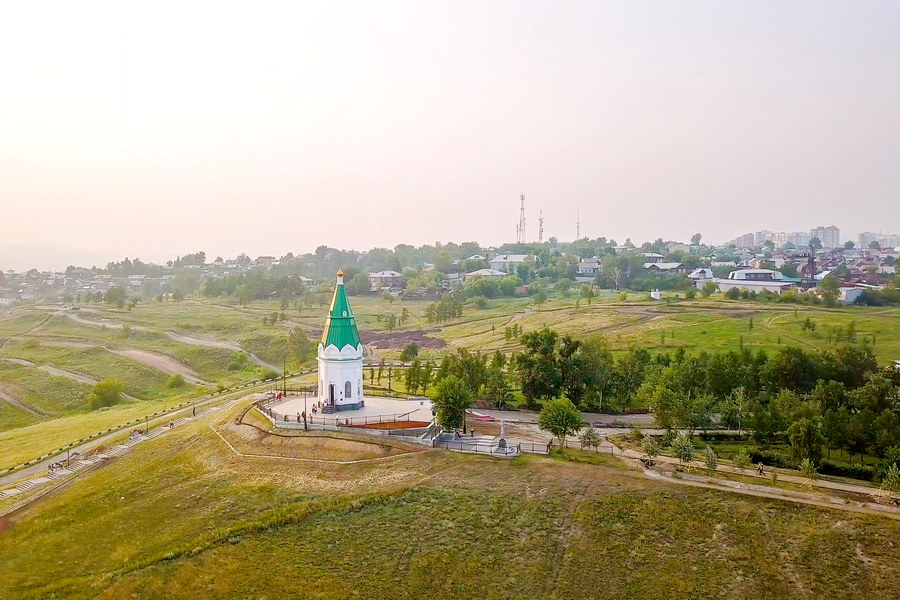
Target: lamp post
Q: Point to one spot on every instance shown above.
(305, 392)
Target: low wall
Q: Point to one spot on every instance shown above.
(407, 437)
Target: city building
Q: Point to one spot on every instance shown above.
(829, 236)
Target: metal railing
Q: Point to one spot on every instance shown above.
(336, 421)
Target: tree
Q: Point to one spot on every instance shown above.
(849, 245)
(708, 289)
(175, 381)
(538, 367)
(815, 243)
(497, 389)
(683, 448)
(741, 460)
(587, 293)
(451, 398)
(359, 283)
(808, 469)
(736, 407)
(590, 438)
(410, 351)
(711, 459)
(106, 393)
(650, 447)
(116, 295)
(891, 480)
(695, 239)
(560, 417)
(830, 288)
(300, 347)
(806, 441)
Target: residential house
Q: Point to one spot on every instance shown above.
(701, 274)
(507, 262)
(666, 267)
(386, 280)
(486, 274)
(588, 267)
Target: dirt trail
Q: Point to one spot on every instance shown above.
(184, 339)
(196, 341)
(160, 362)
(19, 361)
(23, 407)
(163, 363)
(68, 375)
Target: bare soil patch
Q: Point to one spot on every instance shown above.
(398, 339)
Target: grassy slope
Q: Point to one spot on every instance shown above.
(140, 381)
(183, 518)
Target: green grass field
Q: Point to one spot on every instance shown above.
(183, 517)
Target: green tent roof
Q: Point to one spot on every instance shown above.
(340, 326)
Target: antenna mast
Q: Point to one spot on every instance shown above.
(520, 228)
(578, 227)
(541, 227)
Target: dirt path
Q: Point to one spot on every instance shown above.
(212, 343)
(800, 498)
(184, 339)
(161, 362)
(23, 407)
(33, 329)
(68, 375)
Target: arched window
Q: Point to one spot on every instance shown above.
(348, 390)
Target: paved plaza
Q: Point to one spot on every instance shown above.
(418, 410)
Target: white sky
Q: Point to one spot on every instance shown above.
(158, 128)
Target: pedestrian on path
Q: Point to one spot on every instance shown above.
(759, 469)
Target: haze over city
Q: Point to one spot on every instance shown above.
(148, 131)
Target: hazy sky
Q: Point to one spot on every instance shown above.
(154, 129)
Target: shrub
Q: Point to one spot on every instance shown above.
(862, 472)
(106, 393)
(723, 436)
(771, 458)
(410, 351)
(175, 381)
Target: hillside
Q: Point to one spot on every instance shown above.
(184, 517)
